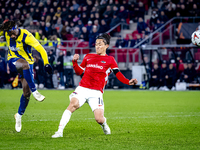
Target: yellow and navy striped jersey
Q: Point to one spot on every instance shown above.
(21, 47)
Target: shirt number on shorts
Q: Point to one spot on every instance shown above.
(100, 101)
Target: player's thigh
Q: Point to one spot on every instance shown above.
(22, 64)
(17, 64)
(79, 94)
(74, 104)
(95, 100)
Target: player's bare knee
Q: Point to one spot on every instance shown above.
(99, 119)
(99, 116)
(25, 65)
(74, 104)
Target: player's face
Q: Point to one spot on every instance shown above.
(13, 34)
(101, 47)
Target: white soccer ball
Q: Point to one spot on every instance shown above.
(195, 38)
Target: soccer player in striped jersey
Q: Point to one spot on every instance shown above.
(20, 58)
(96, 68)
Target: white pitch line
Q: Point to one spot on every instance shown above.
(78, 119)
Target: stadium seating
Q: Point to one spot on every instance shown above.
(156, 39)
(181, 67)
(131, 53)
(121, 54)
(197, 56)
(83, 45)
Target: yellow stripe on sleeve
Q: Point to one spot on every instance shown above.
(31, 40)
(43, 53)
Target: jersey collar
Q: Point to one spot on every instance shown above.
(19, 33)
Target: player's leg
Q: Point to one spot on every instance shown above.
(97, 106)
(76, 101)
(23, 104)
(24, 68)
(100, 119)
(74, 104)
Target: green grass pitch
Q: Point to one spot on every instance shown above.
(139, 120)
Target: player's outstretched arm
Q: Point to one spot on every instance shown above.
(123, 79)
(78, 70)
(31, 40)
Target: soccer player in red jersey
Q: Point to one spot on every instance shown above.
(96, 68)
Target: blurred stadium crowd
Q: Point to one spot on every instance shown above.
(165, 74)
(57, 20)
(84, 19)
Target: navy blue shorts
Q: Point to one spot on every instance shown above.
(11, 64)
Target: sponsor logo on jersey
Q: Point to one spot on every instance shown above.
(95, 66)
(88, 59)
(103, 62)
(12, 48)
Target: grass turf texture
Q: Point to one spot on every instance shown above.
(138, 120)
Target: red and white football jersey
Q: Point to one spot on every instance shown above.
(97, 70)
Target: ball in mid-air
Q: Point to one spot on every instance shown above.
(195, 38)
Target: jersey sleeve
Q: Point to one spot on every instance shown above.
(83, 64)
(122, 78)
(31, 40)
(1, 33)
(113, 64)
(78, 70)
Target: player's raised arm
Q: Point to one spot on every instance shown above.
(78, 70)
(30, 40)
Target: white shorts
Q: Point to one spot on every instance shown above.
(93, 97)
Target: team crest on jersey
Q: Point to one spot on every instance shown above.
(19, 42)
(74, 92)
(103, 62)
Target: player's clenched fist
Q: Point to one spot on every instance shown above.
(133, 82)
(76, 57)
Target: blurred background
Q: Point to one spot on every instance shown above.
(151, 40)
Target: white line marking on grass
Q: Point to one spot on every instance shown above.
(79, 119)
